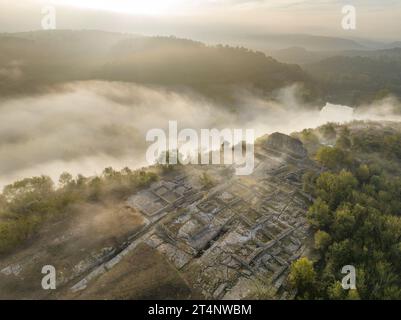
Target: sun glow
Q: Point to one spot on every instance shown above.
(142, 7)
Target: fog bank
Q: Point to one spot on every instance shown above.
(87, 126)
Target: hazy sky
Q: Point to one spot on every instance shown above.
(378, 19)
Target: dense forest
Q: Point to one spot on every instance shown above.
(355, 215)
(33, 62)
(40, 60)
(354, 80)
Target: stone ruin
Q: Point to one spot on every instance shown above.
(244, 231)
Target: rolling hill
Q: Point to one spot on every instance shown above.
(43, 59)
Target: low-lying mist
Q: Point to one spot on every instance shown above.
(83, 127)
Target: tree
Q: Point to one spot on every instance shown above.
(340, 254)
(109, 173)
(336, 292)
(353, 295)
(363, 173)
(344, 223)
(319, 214)
(309, 137)
(65, 179)
(303, 277)
(333, 158)
(29, 187)
(322, 240)
(308, 182)
(336, 188)
(95, 189)
(30, 196)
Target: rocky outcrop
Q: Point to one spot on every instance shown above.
(286, 144)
